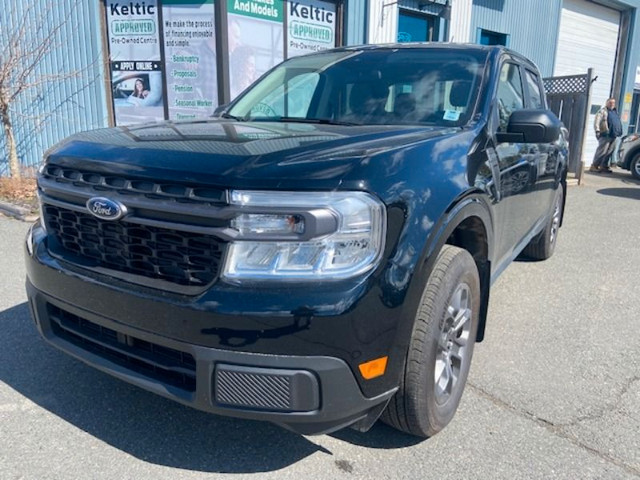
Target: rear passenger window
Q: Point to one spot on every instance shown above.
(535, 94)
(510, 96)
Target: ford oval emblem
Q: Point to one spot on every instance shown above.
(106, 209)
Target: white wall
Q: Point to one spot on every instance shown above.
(460, 25)
(383, 21)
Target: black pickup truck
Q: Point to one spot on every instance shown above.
(320, 254)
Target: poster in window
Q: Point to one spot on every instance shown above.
(311, 27)
(135, 67)
(255, 36)
(190, 58)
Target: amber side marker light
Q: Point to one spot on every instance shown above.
(373, 368)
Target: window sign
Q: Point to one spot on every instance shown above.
(190, 56)
(255, 36)
(136, 70)
(311, 27)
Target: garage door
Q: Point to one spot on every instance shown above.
(588, 38)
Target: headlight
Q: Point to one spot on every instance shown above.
(302, 235)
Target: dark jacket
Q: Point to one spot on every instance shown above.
(615, 125)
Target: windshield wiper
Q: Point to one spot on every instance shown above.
(232, 117)
(322, 121)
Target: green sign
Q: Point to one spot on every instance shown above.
(309, 31)
(263, 9)
(133, 27)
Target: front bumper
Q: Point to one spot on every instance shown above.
(624, 157)
(309, 394)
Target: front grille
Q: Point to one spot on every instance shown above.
(166, 365)
(183, 258)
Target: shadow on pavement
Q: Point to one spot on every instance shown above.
(148, 426)
(142, 424)
(618, 174)
(632, 193)
(380, 436)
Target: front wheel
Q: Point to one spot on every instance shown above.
(635, 167)
(441, 347)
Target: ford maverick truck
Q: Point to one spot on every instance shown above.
(318, 255)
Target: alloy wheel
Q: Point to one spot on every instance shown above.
(452, 350)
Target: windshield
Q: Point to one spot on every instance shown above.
(418, 86)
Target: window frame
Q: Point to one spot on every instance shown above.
(538, 82)
(514, 62)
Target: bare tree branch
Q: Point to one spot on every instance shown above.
(29, 34)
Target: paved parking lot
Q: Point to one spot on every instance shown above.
(554, 389)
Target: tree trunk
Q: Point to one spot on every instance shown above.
(11, 149)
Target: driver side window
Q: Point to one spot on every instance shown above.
(510, 93)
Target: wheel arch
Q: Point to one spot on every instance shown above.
(467, 224)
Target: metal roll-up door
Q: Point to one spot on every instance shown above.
(588, 38)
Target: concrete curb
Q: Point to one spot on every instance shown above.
(17, 212)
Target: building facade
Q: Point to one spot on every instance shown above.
(148, 60)
(563, 37)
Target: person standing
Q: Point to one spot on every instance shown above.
(608, 128)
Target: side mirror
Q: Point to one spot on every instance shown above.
(531, 126)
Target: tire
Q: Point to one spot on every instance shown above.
(543, 245)
(634, 166)
(438, 350)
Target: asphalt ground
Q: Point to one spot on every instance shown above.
(553, 393)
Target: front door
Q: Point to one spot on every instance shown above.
(519, 165)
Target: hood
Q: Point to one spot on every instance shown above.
(245, 154)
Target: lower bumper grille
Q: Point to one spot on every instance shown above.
(183, 258)
(266, 388)
(163, 364)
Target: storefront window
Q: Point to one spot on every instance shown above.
(255, 36)
(135, 63)
(311, 27)
(190, 58)
(163, 58)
